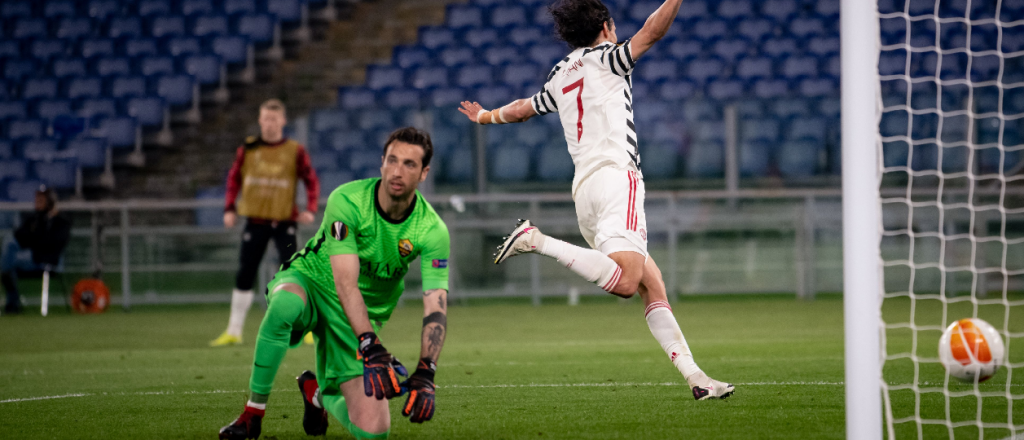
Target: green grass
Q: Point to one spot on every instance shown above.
(508, 371)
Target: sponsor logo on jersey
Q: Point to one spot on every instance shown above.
(339, 231)
(381, 271)
(439, 264)
(404, 247)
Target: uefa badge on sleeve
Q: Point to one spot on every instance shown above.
(339, 231)
(404, 247)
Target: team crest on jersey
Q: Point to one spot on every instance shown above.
(404, 247)
(339, 231)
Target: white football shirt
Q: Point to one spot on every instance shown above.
(591, 90)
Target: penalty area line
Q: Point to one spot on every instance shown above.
(139, 393)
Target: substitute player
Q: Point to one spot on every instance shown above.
(262, 181)
(591, 90)
(343, 287)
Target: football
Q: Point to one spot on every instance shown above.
(971, 349)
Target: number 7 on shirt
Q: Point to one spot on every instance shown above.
(579, 105)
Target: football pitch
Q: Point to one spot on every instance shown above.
(508, 371)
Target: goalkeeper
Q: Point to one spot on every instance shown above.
(343, 287)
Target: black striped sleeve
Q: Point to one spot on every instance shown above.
(619, 59)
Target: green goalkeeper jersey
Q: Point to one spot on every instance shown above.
(354, 223)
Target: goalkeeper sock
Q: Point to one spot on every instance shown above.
(590, 264)
(240, 302)
(666, 331)
(335, 404)
(284, 309)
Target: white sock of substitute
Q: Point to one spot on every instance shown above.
(241, 300)
(590, 264)
(666, 331)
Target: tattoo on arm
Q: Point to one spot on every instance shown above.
(434, 329)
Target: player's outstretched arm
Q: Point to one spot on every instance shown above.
(419, 407)
(379, 367)
(518, 111)
(654, 28)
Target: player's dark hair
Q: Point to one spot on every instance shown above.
(579, 22)
(414, 136)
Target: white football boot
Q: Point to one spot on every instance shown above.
(705, 388)
(524, 239)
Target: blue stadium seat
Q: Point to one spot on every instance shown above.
(25, 128)
(74, 28)
(112, 66)
(58, 174)
(675, 90)
(429, 77)
(779, 10)
(694, 10)
(807, 129)
(456, 56)
(342, 140)
(477, 38)
(5, 90)
(985, 68)
(141, 47)
(382, 77)
(494, 96)
(205, 68)
(90, 152)
(829, 108)
(402, 98)
(26, 28)
(148, 8)
(506, 16)
(710, 30)
(510, 163)
(463, 16)
(355, 98)
(705, 159)
(541, 17)
(754, 68)
(84, 87)
(97, 107)
(232, 49)
(10, 49)
(527, 35)
(754, 158)
(704, 70)
(760, 129)
(685, 49)
(120, 132)
(375, 119)
(148, 111)
(12, 110)
(94, 47)
(734, 9)
(15, 8)
(22, 190)
(498, 55)
(324, 160)
(659, 160)
(726, 89)
(788, 108)
(799, 159)
(410, 56)
(67, 67)
(196, 7)
(210, 25)
(547, 54)
(167, 26)
(233, 7)
(799, 67)
(806, 27)
(823, 46)
(6, 150)
(39, 148)
(101, 9)
(658, 70)
(555, 164)
(156, 65)
(124, 27)
(178, 46)
(59, 8)
(331, 180)
(287, 11)
(177, 90)
(328, 119)
(259, 28)
(15, 169)
(779, 47)
(127, 86)
(39, 88)
(639, 11)
(518, 74)
(17, 69)
(474, 76)
(51, 108)
(44, 49)
(436, 37)
(755, 29)
(819, 87)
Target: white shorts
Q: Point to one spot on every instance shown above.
(610, 211)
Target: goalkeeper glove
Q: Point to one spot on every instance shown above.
(419, 407)
(379, 368)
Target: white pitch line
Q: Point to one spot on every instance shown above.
(140, 393)
(62, 396)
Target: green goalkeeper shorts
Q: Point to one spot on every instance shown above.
(337, 344)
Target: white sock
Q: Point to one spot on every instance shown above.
(240, 302)
(590, 264)
(262, 406)
(665, 329)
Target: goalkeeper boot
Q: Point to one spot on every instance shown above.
(225, 340)
(524, 239)
(246, 426)
(314, 420)
(707, 388)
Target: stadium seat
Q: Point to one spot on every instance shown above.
(754, 158)
(779, 10)
(410, 56)
(210, 25)
(754, 68)
(167, 26)
(67, 67)
(710, 30)
(179, 46)
(120, 132)
(555, 164)
(176, 90)
(124, 27)
(156, 65)
(430, 77)
(141, 47)
(101, 9)
(704, 159)
(507, 16)
(23, 190)
(799, 159)
(434, 37)
(57, 174)
(259, 28)
(355, 98)
(328, 119)
(807, 129)
(705, 69)
(798, 67)
(806, 27)
(819, 87)
(148, 111)
(44, 49)
(788, 108)
(149, 8)
(15, 169)
(5, 91)
(474, 76)
(477, 38)
(95, 47)
(15, 8)
(498, 55)
(28, 28)
(74, 28)
(760, 130)
(779, 47)
(127, 86)
(547, 54)
(6, 150)
(726, 89)
(527, 35)
(84, 87)
(205, 68)
(51, 108)
(10, 49)
(112, 66)
(287, 11)
(25, 128)
(734, 9)
(12, 110)
(59, 8)
(456, 56)
(402, 98)
(17, 69)
(38, 148)
(518, 74)
(89, 152)
(382, 77)
(196, 7)
(232, 49)
(329, 181)
(97, 107)
(510, 163)
(326, 160)
(463, 16)
(658, 70)
(676, 90)
(234, 7)
(755, 29)
(823, 46)
(39, 88)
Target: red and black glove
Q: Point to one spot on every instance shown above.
(419, 407)
(379, 368)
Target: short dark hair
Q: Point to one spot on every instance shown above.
(579, 22)
(414, 136)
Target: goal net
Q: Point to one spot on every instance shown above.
(950, 110)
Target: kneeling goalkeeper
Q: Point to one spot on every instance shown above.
(343, 287)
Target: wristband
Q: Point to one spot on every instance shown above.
(501, 115)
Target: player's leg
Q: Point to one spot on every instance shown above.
(254, 244)
(364, 416)
(288, 312)
(286, 244)
(9, 274)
